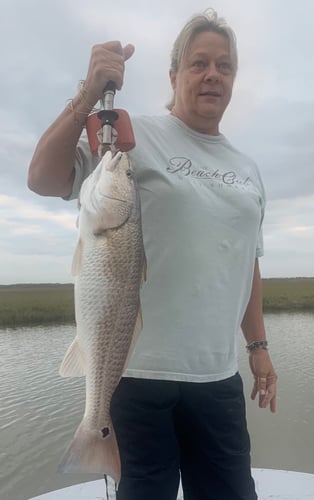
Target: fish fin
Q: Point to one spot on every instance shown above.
(137, 330)
(139, 324)
(73, 364)
(144, 272)
(77, 258)
(92, 453)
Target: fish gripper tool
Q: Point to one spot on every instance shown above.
(107, 115)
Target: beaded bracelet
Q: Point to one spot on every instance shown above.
(256, 345)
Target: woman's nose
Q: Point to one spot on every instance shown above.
(212, 74)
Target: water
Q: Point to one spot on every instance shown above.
(39, 411)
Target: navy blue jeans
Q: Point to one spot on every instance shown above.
(198, 430)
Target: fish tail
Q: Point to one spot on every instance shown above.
(92, 451)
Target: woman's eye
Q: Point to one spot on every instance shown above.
(199, 64)
(225, 67)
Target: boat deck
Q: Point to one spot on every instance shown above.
(270, 485)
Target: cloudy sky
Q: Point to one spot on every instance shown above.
(45, 48)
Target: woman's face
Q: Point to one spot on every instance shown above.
(203, 83)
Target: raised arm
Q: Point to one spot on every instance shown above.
(51, 171)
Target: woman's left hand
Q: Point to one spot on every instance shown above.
(265, 378)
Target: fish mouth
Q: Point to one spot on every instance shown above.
(115, 158)
(116, 152)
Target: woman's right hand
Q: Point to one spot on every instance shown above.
(106, 64)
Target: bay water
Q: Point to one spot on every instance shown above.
(39, 411)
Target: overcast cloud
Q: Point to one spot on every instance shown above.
(45, 47)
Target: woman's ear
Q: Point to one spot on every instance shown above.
(173, 79)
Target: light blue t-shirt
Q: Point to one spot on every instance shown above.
(202, 210)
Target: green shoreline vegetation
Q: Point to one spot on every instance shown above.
(42, 304)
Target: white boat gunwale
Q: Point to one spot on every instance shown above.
(271, 484)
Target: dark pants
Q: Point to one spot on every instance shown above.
(197, 429)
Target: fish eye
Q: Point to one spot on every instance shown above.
(129, 173)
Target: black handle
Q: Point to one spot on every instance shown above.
(111, 87)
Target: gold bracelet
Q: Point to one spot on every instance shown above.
(76, 120)
(82, 93)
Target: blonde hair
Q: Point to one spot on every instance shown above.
(205, 21)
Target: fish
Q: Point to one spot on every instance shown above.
(109, 268)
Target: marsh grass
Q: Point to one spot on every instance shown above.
(289, 294)
(36, 304)
(33, 304)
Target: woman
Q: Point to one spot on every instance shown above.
(180, 406)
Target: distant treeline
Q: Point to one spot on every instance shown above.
(40, 304)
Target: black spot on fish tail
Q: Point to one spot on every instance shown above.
(105, 432)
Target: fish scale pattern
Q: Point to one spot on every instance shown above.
(107, 304)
